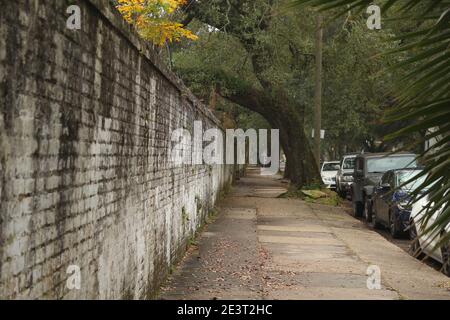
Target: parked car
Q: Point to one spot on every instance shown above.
(369, 167)
(426, 243)
(328, 172)
(344, 176)
(391, 200)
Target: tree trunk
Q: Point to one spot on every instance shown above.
(284, 114)
(299, 156)
(273, 103)
(318, 91)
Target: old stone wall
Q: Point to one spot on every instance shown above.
(85, 177)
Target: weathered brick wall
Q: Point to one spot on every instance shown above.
(85, 123)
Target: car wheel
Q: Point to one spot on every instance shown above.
(342, 194)
(339, 190)
(414, 249)
(374, 223)
(368, 211)
(395, 233)
(358, 208)
(446, 259)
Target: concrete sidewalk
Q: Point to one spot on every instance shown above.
(263, 247)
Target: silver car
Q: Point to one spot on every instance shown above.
(328, 173)
(344, 177)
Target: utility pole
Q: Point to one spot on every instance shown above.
(213, 97)
(318, 89)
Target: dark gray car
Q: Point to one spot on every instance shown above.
(369, 168)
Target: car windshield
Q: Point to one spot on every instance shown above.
(349, 163)
(404, 176)
(331, 166)
(381, 165)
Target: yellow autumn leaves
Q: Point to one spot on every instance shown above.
(151, 19)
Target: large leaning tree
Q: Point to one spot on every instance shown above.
(355, 93)
(248, 22)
